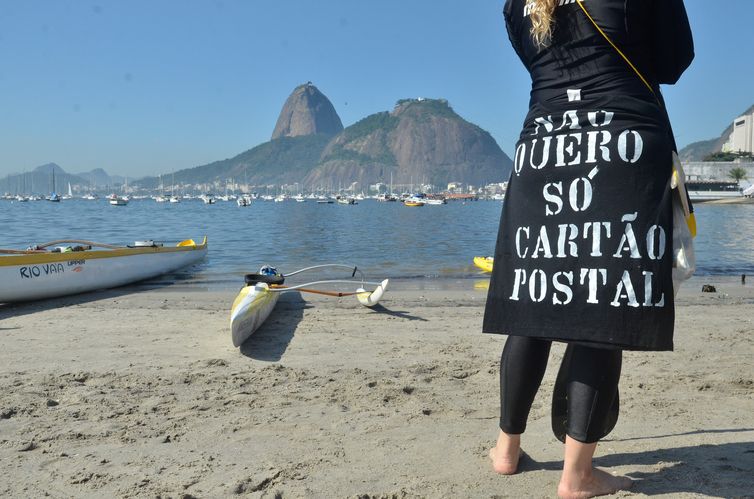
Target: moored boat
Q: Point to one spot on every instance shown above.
(345, 200)
(73, 266)
(386, 198)
(413, 203)
(484, 262)
(116, 200)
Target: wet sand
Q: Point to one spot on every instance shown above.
(123, 394)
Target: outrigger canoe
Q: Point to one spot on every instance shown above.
(258, 297)
(65, 269)
(484, 262)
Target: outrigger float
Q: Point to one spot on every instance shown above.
(258, 297)
(71, 266)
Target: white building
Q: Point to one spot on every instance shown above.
(742, 137)
(717, 170)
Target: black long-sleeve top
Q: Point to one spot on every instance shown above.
(654, 34)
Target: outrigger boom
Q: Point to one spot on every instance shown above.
(302, 287)
(256, 300)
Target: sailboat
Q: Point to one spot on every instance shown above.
(70, 192)
(21, 197)
(160, 198)
(53, 195)
(173, 197)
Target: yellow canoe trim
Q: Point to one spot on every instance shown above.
(37, 258)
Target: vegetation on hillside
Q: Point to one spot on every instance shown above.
(383, 122)
(436, 107)
(729, 156)
(371, 123)
(283, 157)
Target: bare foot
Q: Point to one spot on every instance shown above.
(506, 453)
(597, 483)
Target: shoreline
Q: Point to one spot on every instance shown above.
(737, 200)
(122, 393)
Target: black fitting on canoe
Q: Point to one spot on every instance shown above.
(354, 271)
(251, 279)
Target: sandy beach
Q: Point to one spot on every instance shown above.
(139, 392)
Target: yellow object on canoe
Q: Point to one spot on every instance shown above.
(484, 262)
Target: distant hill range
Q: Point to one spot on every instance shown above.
(419, 141)
(50, 177)
(697, 151)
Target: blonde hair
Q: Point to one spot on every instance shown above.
(542, 13)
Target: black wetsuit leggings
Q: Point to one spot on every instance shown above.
(591, 388)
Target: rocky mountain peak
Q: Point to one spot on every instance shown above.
(420, 140)
(307, 111)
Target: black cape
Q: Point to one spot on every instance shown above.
(584, 249)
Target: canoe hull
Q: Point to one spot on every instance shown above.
(48, 275)
(250, 309)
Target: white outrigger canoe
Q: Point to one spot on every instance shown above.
(256, 300)
(66, 270)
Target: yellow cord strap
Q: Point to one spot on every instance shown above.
(581, 4)
(689, 215)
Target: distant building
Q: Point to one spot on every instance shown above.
(716, 170)
(742, 137)
(455, 186)
(496, 188)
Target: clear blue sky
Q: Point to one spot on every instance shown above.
(143, 87)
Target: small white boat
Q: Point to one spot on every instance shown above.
(243, 201)
(118, 201)
(435, 201)
(73, 266)
(70, 192)
(257, 299)
(174, 199)
(346, 200)
(207, 199)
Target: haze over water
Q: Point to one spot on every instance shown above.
(384, 239)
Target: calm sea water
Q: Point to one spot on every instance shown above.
(385, 239)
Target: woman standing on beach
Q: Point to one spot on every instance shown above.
(584, 250)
